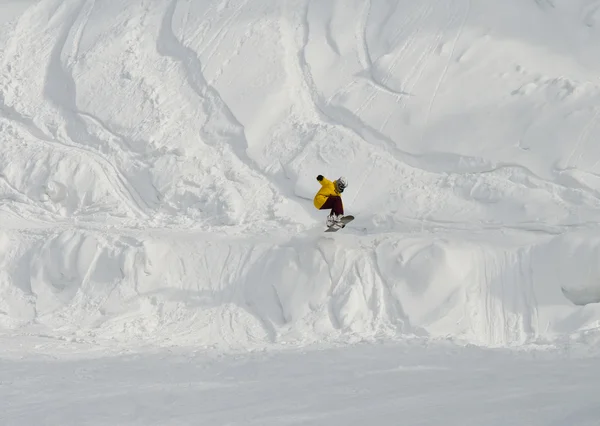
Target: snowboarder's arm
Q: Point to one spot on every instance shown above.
(323, 180)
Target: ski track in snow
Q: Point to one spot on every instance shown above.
(144, 195)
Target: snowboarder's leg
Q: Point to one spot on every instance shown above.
(337, 209)
(335, 204)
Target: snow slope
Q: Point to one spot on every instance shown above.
(158, 165)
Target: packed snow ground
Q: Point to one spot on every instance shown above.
(379, 384)
(383, 384)
(158, 165)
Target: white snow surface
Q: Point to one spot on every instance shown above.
(382, 384)
(158, 161)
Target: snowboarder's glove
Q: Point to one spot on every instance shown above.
(320, 178)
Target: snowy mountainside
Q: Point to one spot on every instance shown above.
(158, 165)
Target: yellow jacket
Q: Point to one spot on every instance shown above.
(327, 190)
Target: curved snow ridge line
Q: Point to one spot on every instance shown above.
(62, 99)
(169, 45)
(117, 180)
(129, 150)
(303, 290)
(230, 136)
(77, 29)
(76, 33)
(349, 121)
(454, 14)
(416, 70)
(327, 112)
(66, 103)
(364, 55)
(458, 13)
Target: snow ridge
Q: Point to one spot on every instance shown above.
(233, 293)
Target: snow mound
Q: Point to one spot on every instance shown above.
(244, 293)
(158, 163)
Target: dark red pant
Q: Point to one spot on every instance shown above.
(335, 204)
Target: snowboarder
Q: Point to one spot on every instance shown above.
(330, 197)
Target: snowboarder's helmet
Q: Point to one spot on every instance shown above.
(341, 183)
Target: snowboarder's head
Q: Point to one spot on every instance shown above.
(340, 184)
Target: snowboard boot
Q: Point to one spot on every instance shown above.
(335, 221)
(330, 221)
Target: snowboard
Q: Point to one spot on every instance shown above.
(345, 220)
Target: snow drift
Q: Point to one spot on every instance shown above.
(241, 292)
(158, 162)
